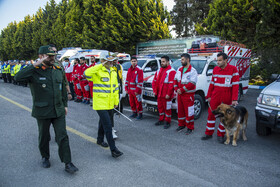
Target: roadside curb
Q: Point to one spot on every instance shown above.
(256, 87)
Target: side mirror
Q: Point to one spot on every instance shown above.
(209, 72)
(273, 77)
(147, 69)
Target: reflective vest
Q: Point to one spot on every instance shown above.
(17, 68)
(105, 92)
(118, 68)
(13, 70)
(7, 68)
(3, 68)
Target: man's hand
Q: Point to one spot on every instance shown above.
(126, 92)
(209, 99)
(167, 97)
(179, 92)
(136, 93)
(103, 63)
(66, 110)
(40, 61)
(69, 96)
(115, 106)
(234, 103)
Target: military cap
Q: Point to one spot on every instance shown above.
(82, 58)
(46, 49)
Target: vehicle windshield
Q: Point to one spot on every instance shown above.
(126, 65)
(196, 64)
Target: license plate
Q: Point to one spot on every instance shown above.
(148, 93)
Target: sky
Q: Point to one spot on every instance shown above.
(16, 10)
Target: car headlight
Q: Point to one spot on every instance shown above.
(270, 100)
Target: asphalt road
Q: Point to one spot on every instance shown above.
(152, 156)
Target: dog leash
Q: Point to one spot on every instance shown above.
(210, 106)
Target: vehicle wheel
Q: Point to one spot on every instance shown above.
(239, 93)
(198, 106)
(262, 130)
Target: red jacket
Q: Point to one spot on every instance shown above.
(134, 80)
(68, 71)
(163, 82)
(186, 82)
(225, 82)
(75, 73)
(82, 68)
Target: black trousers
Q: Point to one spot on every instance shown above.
(71, 86)
(4, 75)
(105, 128)
(9, 77)
(61, 137)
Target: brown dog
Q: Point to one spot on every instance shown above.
(234, 119)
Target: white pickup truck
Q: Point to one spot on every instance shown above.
(149, 66)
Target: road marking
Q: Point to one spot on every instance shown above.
(74, 131)
(19, 105)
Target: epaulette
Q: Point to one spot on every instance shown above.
(37, 67)
(58, 67)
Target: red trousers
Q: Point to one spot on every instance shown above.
(85, 89)
(186, 111)
(216, 100)
(78, 90)
(135, 104)
(164, 109)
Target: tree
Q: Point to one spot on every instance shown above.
(187, 13)
(254, 23)
(115, 25)
(74, 23)
(59, 24)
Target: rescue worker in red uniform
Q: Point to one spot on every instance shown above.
(83, 80)
(90, 83)
(164, 91)
(223, 88)
(68, 68)
(75, 80)
(185, 86)
(133, 87)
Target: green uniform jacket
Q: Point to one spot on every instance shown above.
(47, 89)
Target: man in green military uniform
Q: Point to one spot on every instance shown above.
(49, 105)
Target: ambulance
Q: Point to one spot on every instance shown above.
(204, 59)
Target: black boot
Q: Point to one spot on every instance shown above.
(70, 168)
(116, 153)
(134, 115)
(158, 123)
(46, 163)
(206, 137)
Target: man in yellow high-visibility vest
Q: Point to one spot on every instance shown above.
(106, 97)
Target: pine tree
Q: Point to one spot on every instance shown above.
(187, 13)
